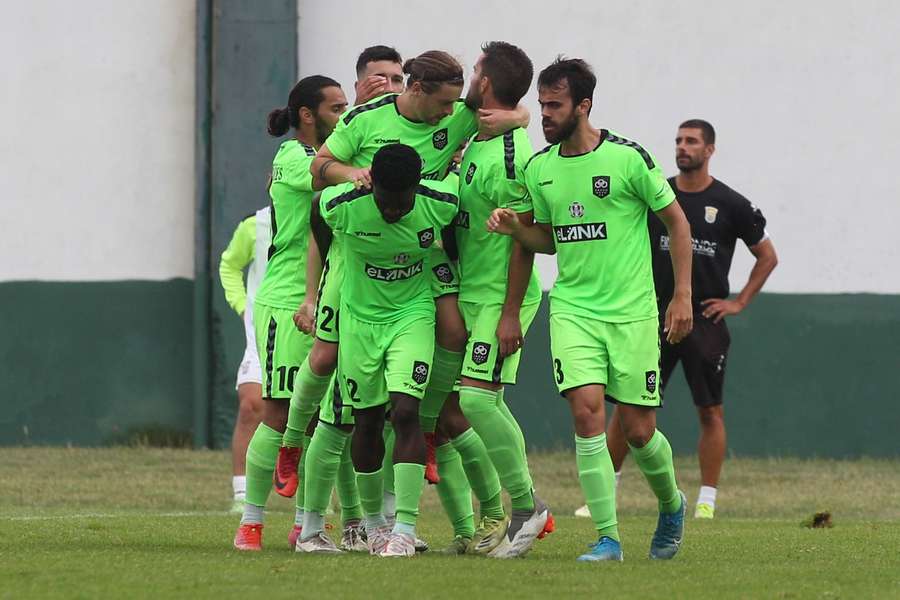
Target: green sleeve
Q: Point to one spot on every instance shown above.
(336, 216)
(345, 141)
(235, 259)
(541, 210)
(295, 175)
(650, 185)
(464, 119)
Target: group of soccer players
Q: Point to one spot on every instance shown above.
(394, 304)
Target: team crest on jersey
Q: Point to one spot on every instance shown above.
(439, 139)
(576, 209)
(651, 381)
(420, 372)
(711, 213)
(480, 352)
(443, 273)
(601, 186)
(470, 172)
(426, 238)
(402, 258)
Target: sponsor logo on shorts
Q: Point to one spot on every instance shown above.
(601, 186)
(651, 381)
(426, 238)
(420, 372)
(580, 233)
(482, 371)
(397, 274)
(480, 352)
(470, 172)
(576, 209)
(462, 219)
(439, 139)
(443, 273)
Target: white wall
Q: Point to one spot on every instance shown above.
(803, 96)
(97, 144)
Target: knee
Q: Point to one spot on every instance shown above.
(711, 416)
(323, 358)
(453, 424)
(638, 434)
(248, 412)
(276, 420)
(452, 337)
(404, 416)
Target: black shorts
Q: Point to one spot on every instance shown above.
(703, 354)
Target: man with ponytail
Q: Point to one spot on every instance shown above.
(314, 106)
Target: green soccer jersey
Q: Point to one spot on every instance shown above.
(291, 191)
(597, 206)
(492, 176)
(387, 270)
(364, 129)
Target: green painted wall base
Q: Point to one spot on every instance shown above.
(95, 363)
(808, 375)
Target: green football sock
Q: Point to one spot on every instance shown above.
(655, 462)
(325, 453)
(348, 492)
(409, 480)
(454, 491)
(261, 455)
(501, 440)
(308, 391)
(481, 474)
(371, 497)
(301, 473)
(598, 482)
(445, 369)
(520, 437)
(387, 464)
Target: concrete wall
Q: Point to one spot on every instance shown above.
(97, 151)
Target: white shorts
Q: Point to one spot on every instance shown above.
(250, 370)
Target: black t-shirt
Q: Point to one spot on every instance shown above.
(718, 217)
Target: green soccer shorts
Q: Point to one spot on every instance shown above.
(444, 274)
(282, 349)
(329, 301)
(333, 410)
(482, 360)
(622, 356)
(375, 359)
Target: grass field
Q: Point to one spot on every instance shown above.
(80, 523)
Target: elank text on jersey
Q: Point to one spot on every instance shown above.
(396, 274)
(581, 232)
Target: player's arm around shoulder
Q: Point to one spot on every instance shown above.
(330, 165)
(538, 236)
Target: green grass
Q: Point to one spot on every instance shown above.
(77, 523)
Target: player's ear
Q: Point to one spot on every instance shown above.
(415, 88)
(306, 116)
(584, 107)
(709, 150)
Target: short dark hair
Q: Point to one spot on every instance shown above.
(396, 167)
(575, 72)
(308, 93)
(432, 69)
(509, 69)
(374, 54)
(705, 127)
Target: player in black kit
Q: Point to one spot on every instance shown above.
(719, 216)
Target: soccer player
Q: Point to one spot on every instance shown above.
(314, 105)
(387, 326)
(591, 191)
(246, 250)
(499, 296)
(718, 216)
